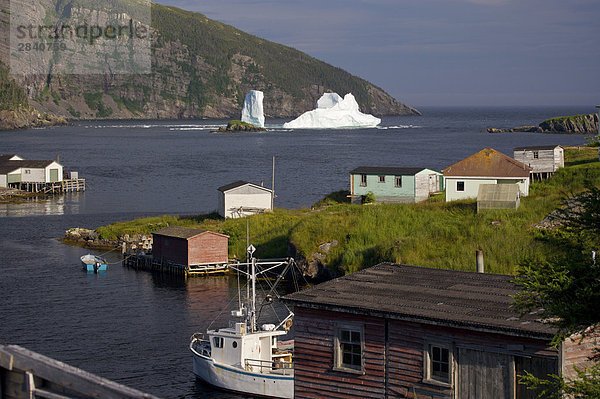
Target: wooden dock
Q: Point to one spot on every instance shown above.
(59, 187)
(148, 263)
(25, 374)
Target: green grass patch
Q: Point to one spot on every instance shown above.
(434, 233)
(580, 154)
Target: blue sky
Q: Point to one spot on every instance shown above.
(439, 52)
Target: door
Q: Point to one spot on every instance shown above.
(433, 183)
(53, 175)
(483, 375)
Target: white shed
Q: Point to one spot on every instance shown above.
(241, 198)
(544, 159)
(40, 171)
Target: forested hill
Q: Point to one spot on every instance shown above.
(200, 68)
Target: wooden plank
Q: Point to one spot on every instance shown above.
(77, 379)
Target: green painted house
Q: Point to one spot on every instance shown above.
(392, 184)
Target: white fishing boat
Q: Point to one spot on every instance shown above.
(242, 357)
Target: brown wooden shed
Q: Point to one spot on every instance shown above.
(189, 246)
(404, 331)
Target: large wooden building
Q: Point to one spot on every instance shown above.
(544, 160)
(190, 247)
(391, 184)
(488, 166)
(403, 331)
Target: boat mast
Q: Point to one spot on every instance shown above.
(252, 315)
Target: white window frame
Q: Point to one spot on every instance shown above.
(396, 180)
(536, 155)
(363, 180)
(381, 178)
(428, 363)
(338, 364)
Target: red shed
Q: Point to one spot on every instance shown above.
(190, 247)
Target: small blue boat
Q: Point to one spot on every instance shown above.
(94, 263)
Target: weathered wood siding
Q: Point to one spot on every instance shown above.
(314, 376)
(207, 248)
(204, 248)
(576, 353)
(483, 362)
(548, 161)
(170, 248)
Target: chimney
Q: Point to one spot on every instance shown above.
(479, 260)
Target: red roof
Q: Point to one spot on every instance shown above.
(488, 163)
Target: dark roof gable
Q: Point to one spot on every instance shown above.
(386, 170)
(240, 183)
(536, 147)
(183, 232)
(472, 300)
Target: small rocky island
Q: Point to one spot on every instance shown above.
(239, 126)
(575, 124)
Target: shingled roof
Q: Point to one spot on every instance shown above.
(386, 170)
(183, 232)
(488, 163)
(240, 183)
(536, 147)
(478, 301)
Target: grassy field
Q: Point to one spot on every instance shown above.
(434, 233)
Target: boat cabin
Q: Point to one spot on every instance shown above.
(252, 352)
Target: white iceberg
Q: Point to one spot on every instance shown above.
(253, 108)
(333, 112)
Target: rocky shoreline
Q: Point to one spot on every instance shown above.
(575, 124)
(28, 117)
(8, 195)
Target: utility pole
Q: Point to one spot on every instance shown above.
(273, 185)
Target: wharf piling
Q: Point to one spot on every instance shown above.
(59, 187)
(149, 263)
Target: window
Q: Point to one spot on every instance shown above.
(438, 363)
(398, 181)
(217, 342)
(460, 186)
(381, 179)
(363, 180)
(349, 344)
(536, 155)
(27, 171)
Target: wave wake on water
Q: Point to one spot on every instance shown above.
(398, 127)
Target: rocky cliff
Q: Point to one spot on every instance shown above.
(578, 124)
(200, 68)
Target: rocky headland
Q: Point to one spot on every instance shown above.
(28, 117)
(201, 68)
(575, 124)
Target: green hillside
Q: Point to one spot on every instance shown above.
(12, 95)
(200, 68)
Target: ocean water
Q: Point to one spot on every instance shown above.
(134, 327)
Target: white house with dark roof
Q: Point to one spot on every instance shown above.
(242, 198)
(544, 160)
(391, 184)
(14, 169)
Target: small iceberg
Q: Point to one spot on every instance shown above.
(252, 112)
(333, 112)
